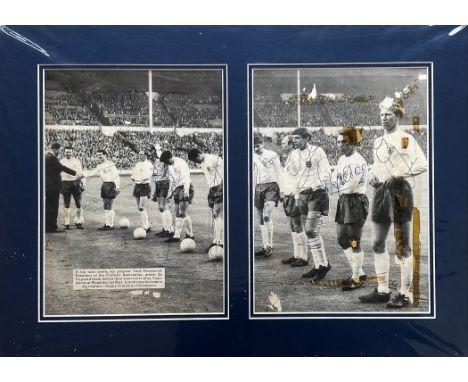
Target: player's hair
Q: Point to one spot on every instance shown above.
(68, 147)
(193, 154)
(165, 156)
(55, 146)
(302, 132)
(353, 134)
(102, 151)
(258, 139)
(396, 105)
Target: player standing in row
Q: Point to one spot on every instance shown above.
(309, 164)
(182, 191)
(353, 205)
(398, 159)
(291, 206)
(141, 175)
(110, 187)
(161, 190)
(213, 168)
(267, 191)
(71, 186)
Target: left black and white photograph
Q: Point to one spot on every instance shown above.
(132, 194)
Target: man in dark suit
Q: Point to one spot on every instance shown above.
(53, 168)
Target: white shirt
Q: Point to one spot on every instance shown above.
(213, 168)
(268, 167)
(351, 174)
(179, 174)
(397, 154)
(288, 179)
(317, 175)
(107, 171)
(142, 172)
(72, 163)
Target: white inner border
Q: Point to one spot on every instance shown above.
(41, 68)
(430, 175)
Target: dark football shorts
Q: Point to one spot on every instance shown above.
(69, 188)
(291, 206)
(108, 190)
(317, 200)
(266, 192)
(142, 190)
(352, 209)
(393, 201)
(179, 195)
(215, 195)
(162, 188)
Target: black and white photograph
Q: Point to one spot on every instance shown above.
(340, 190)
(133, 208)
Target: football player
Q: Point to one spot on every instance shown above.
(291, 207)
(161, 189)
(353, 205)
(110, 187)
(398, 159)
(267, 169)
(141, 175)
(309, 164)
(182, 191)
(213, 168)
(71, 186)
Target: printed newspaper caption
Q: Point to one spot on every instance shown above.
(125, 278)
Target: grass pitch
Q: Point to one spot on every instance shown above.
(297, 294)
(193, 284)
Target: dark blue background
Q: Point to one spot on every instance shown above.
(20, 334)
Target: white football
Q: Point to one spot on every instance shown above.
(124, 223)
(139, 233)
(187, 245)
(216, 252)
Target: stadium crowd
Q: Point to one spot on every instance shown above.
(278, 113)
(130, 108)
(85, 144)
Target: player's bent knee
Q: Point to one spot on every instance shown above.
(378, 247)
(343, 243)
(312, 233)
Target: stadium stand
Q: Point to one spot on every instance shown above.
(86, 143)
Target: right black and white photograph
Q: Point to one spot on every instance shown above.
(341, 191)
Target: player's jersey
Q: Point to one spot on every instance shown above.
(288, 180)
(397, 154)
(213, 168)
(311, 168)
(72, 163)
(179, 174)
(107, 171)
(160, 171)
(269, 171)
(142, 172)
(350, 176)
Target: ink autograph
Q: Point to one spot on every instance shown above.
(337, 183)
